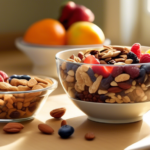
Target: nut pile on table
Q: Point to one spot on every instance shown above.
(123, 77)
(23, 104)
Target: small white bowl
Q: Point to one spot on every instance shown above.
(43, 57)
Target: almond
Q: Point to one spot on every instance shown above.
(124, 85)
(58, 113)
(63, 123)
(89, 136)
(122, 77)
(114, 90)
(44, 128)
(13, 127)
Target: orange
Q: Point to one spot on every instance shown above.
(46, 32)
(84, 33)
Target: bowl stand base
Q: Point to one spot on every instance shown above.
(119, 121)
(16, 120)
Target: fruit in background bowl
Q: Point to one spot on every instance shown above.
(72, 13)
(84, 33)
(46, 32)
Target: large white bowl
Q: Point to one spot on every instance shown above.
(101, 112)
(43, 57)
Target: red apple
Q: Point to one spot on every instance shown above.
(80, 13)
(67, 11)
(72, 13)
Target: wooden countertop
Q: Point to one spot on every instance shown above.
(108, 136)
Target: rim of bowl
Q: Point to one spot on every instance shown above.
(95, 103)
(53, 86)
(76, 49)
(20, 41)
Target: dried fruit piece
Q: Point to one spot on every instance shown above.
(146, 67)
(89, 136)
(103, 97)
(114, 90)
(142, 75)
(15, 114)
(69, 66)
(91, 74)
(66, 131)
(44, 128)
(13, 127)
(124, 85)
(117, 70)
(105, 83)
(136, 49)
(58, 113)
(145, 58)
(133, 71)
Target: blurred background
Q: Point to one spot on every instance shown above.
(123, 21)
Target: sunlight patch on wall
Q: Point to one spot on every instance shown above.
(148, 5)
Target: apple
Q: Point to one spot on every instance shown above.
(66, 12)
(80, 13)
(72, 13)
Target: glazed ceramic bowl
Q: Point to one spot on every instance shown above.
(18, 106)
(97, 96)
(43, 57)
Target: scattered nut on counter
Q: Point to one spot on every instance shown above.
(64, 122)
(13, 127)
(89, 136)
(44, 128)
(58, 113)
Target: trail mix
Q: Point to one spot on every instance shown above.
(14, 106)
(120, 79)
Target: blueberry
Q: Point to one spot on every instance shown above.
(26, 77)
(91, 74)
(65, 131)
(141, 76)
(105, 83)
(146, 67)
(129, 81)
(13, 76)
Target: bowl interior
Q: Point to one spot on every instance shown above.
(22, 42)
(63, 55)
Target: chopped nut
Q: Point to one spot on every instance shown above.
(113, 83)
(128, 61)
